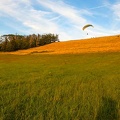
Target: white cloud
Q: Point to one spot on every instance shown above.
(115, 17)
(31, 18)
(64, 10)
(55, 17)
(70, 19)
(116, 10)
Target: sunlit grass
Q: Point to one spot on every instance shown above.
(93, 45)
(60, 87)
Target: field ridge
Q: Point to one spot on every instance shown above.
(91, 45)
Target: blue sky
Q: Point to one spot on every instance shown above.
(63, 17)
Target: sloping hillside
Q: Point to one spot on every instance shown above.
(100, 44)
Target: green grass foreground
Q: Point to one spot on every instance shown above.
(60, 87)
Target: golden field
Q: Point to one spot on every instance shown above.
(92, 45)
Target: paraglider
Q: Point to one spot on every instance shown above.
(86, 26)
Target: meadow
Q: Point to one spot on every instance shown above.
(91, 45)
(60, 87)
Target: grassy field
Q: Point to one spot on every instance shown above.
(60, 87)
(92, 45)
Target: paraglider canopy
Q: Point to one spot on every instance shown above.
(86, 26)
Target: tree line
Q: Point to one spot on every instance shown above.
(13, 42)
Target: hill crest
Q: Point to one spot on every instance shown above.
(91, 45)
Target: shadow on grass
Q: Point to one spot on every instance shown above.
(108, 110)
(44, 51)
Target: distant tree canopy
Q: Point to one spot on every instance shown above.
(13, 42)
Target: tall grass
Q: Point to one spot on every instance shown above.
(60, 87)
